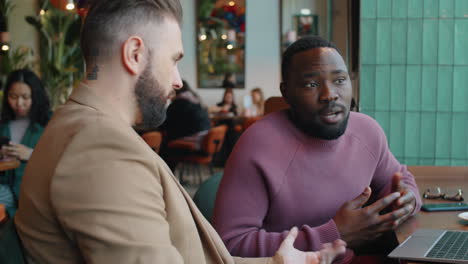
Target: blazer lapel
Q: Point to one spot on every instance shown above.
(211, 241)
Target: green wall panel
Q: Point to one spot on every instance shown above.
(398, 8)
(398, 85)
(384, 9)
(415, 8)
(383, 51)
(367, 88)
(370, 10)
(398, 41)
(382, 87)
(368, 44)
(413, 88)
(461, 41)
(460, 89)
(431, 8)
(428, 129)
(461, 8)
(412, 134)
(397, 133)
(430, 41)
(415, 41)
(414, 77)
(429, 89)
(446, 41)
(444, 88)
(446, 8)
(443, 135)
(459, 136)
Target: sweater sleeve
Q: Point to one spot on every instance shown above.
(242, 204)
(387, 166)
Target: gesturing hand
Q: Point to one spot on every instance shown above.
(358, 224)
(407, 199)
(290, 255)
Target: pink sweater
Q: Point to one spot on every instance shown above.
(278, 177)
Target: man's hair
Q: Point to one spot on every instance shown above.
(109, 22)
(303, 44)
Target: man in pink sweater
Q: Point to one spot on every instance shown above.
(316, 166)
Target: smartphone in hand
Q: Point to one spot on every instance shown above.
(4, 140)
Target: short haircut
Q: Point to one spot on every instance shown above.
(101, 33)
(303, 44)
(40, 106)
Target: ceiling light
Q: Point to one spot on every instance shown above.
(230, 47)
(305, 12)
(70, 5)
(5, 47)
(232, 3)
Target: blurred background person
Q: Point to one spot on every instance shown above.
(187, 121)
(227, 106)
(229, 80)
(255, 105)
(25, 113)
(186, 117)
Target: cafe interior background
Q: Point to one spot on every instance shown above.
(407, 58)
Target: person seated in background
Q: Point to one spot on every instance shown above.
(227, 107)
(257, 104)
(25, 113)
(186, 118)
(316, 165)
(229, 81)
(187, 121)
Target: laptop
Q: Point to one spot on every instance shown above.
(434, 246)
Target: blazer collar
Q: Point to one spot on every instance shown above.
(84, 95)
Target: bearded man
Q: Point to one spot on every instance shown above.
(318, 162)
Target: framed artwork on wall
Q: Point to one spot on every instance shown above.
(221, 43)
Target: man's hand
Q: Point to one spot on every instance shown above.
(290, 255)
(18, 151)
(358, 225)
(407, 199)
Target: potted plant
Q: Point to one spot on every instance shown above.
(61, 64)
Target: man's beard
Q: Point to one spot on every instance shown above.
(324, 131)
(151, 100)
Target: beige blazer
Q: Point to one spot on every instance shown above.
(94, 192)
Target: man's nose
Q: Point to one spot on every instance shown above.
(328, 94)
(177, 80)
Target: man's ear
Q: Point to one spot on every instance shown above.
(284, 93)
(133, 50)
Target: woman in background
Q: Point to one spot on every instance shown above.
(227, 106)
(25, 113)
(256, 108)
(229, 81)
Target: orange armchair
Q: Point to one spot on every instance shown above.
(210, 146)
(275, 103)
(153, 139)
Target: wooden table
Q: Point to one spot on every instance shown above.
(9, 164)
(434, 220)
(431, 177)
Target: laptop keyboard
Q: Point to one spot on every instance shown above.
(452, 245)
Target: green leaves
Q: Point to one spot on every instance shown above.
(6, 6)
(61, 62)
